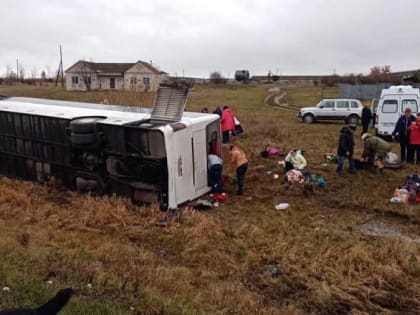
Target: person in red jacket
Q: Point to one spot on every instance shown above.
(228, 123)
(414, 140)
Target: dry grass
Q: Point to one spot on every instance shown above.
(220, 261)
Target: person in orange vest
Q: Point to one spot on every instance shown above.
(238, 158)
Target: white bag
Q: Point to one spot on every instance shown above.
(391, 158)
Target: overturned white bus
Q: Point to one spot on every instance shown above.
(149, 155)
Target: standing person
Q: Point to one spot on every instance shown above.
(402, 132)
(414, 142)
(374, 150)
(366, 118)
(215, 166)
(238, 158)
(228, 123)
(218, 111)
(346, 148)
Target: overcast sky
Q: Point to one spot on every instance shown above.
(198, 37)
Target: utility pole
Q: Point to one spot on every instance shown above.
(60, 71)
(17, 71)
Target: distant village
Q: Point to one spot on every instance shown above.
(144, 76)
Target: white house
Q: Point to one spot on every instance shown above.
(139, 76)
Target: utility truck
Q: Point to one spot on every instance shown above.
(156, 155)
(392, 104)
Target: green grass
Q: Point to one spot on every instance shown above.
(58, 93)
(309, 96)
(217, 262)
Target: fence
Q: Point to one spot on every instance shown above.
(361, 91)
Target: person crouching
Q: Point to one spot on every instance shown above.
(238, 158)
(374, 151)
(215, 166)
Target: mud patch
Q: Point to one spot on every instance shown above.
(385, 229)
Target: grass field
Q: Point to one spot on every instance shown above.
(244, 257)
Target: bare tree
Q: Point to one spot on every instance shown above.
(11, 78)
(48, 71)
(43, 77)
(33, 75)
(86, 73)
(22, 73)
(8, 70)
(10, 75)
(380, 74)
(217, 78)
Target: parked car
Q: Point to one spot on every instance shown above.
(349, 110)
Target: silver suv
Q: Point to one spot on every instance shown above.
(349, 110)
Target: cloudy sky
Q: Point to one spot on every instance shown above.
(198, 37)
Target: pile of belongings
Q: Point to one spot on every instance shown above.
(410, 190)
(330, 157)
(295, 176)
(269, 151)
(320, 181)
(219, 197)
(392, 160)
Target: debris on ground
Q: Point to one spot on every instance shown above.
(162, 223)
(202, 204)
(409, 191)
(219, 197)
(269, 151)
(273, 271)
(282, 206)
(330, 157)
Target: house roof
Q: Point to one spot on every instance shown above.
(113, 67)
(148, 65)
(109, 67)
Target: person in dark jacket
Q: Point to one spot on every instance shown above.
(346, 148)
(366, 118)
(401, 130)
(218, 111)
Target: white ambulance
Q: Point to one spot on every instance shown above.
(392, 104)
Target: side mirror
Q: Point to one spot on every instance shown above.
(322, 106)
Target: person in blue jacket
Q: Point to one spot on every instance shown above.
(402, 132)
